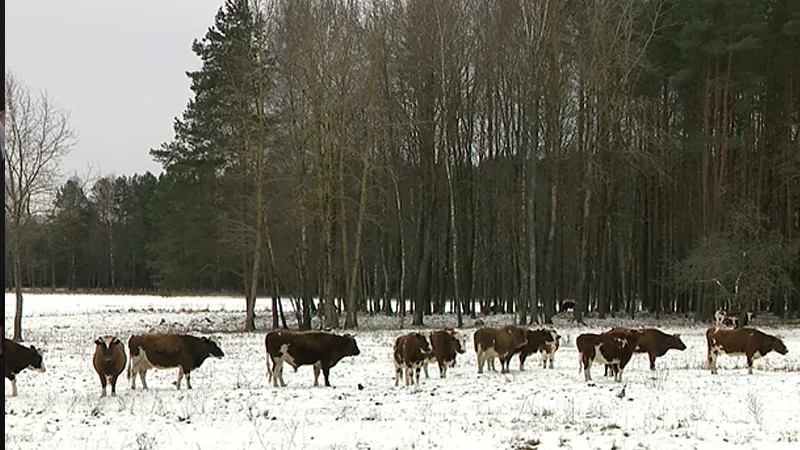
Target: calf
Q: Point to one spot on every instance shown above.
(541, 340)
(502, 342)
(548, 350)
(109, 361)
(749, 342)
(17, 358)
(615, 349)
(445, 345)
(166, 351)
(411, 352)
(320, 349)
(654, 342)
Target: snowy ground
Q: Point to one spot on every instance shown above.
(680, 406)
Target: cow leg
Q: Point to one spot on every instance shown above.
(180, 377)
(750, 364)
(326, 372)
(442, 370)
(425, 368)
(552, 358)
(712, 362)
(114, 385)
(618, 375)
(398, 372)
(652, 361)
(143, 377)
(103, 382)
(316, 375)
(481, 361)
(418, 370)
(14, 387)
(492, 367)
(188, 379)
(587, 369)
(132, 378)
(522, 358)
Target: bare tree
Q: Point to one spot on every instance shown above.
(38, 136)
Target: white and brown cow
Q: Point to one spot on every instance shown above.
(747, 342)
(445, 345)
(320, 349)
(544, 341)
(502, 342)
(411, 353)
(615, 349)
(167, 351)
(725, 319)
(16, 358)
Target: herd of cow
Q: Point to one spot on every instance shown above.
(413, 352)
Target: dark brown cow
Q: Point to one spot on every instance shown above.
(320, 349)
(654, 342)
(749, 342)
(167, 351)
(500, 342)
(411, 352)
(17, 358)
(540, 340)
(445, 345)
(109, 361)
(615, 349)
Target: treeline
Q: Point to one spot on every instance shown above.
(465, 155)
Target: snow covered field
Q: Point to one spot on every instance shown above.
(680, 406)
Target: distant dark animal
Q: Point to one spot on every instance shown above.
(445, 345)
(541, 340)
(411, 352)
(615, 349)
(654, 342)
(17, 357)
(166, 351)
(502, 342)
(567, 305)
(320, 349)
(749, 342)
(109, 361)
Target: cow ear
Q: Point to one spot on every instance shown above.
(97, 341)
(677, 335)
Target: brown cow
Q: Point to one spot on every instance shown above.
(615, 349)
(321, 349)
(749, 342)
(411, 352)
(500, 342)
(166, 351)
(16, 358)
(445, 345)
(109, 361)
(654, 342)
(540, 340)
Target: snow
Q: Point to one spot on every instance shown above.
(232, 405)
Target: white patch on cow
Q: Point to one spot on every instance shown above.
(487, 356)
(107, 340)
(277, 369)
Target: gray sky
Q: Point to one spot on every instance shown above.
(117, 66)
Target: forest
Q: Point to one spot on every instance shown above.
(465, 155)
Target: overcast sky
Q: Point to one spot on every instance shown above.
(117, 66)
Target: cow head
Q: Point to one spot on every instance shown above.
(105, 346)
(36, 361)
(212, 348)
(778, 346)
(556, 337)
(461, 345)
(350, 346)
(676, 342)
(422, 339)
